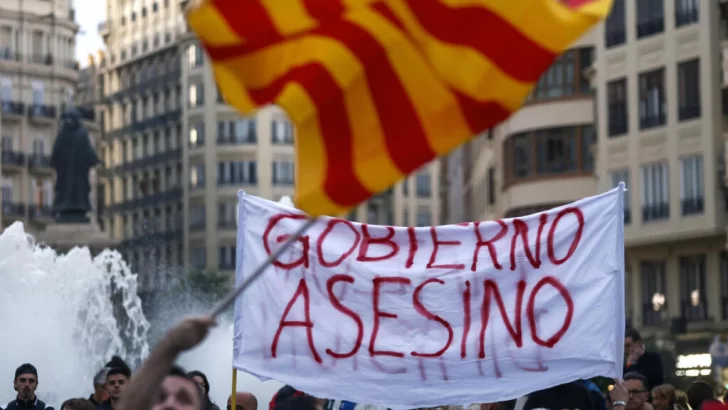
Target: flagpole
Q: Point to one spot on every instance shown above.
(230, 298)
(233, 395)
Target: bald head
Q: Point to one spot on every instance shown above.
(244, 401)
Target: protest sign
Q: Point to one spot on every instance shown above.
(420, 317)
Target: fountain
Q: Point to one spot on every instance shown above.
(58, 315)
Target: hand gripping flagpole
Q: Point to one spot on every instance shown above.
(230, 298)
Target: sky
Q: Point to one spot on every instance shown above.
(89, 13)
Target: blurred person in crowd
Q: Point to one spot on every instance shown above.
(78, 404)
(637, 359)
(598, 400)
(243, 401)
(569, 396)
(117, 378)
(719, 357)
(159, 384)
(295, 402)
(100, 396)
(667, 397)
(639, 391)
(698, 393)
(201, 380)
(26, 383)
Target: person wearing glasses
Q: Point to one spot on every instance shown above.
(25, 383)
(632, 393)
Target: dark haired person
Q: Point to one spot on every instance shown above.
(78, 404)
(243, 401)
(569, 396)
(26, 383)
(639, 392)
(159, 384)
(201, 379)
(638, 360)
(116, 380)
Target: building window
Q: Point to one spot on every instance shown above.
(693, 303)
(491, 186)
(686, 12)
(198, 257)
(652, 99)
(692, 187)
(405, 217)
(227, 215)
(615, 28)
(622, 175)
(227, 257)
(617, 107)
(405, 187)
(565, 76)
(38, 93)
(423, 185)
(197, 218)
(237, 172)
(196, 95)
(194, 56)
(654, 290)
(424, 217)
(688, 79)
(197, 176)
(241, 131)
(655, 181)
(282, 132)
(6, 90)
(197, 135)
(548, 152)
(283, 173)
(650, 17)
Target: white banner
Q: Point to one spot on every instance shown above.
(420, 317)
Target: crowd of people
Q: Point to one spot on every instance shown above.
(161, 385)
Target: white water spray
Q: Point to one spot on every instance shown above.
(56, 313)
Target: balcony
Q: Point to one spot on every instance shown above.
(655, 212)
(6, 54)
(42, 111)
(39, 163)
(40, 213)
(692, 206)
(13, 209)
(173, 194)
(42, 58)
(12, 159)
(10, 108)
(692, 313)
(227, 224)
(652, 318)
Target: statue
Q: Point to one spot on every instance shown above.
(73, 157)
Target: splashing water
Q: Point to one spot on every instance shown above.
(57, 314)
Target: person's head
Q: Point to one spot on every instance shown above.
(77, 404)
(698, 392)
(639, 391)
(201, 380)
(243, 401)
(26, 381)
(179, 392)
(663, 397)
(100, 384)
(296, 402)
(570, 396)
(631, 337)
(117, 377)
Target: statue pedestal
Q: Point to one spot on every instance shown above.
(64, 237)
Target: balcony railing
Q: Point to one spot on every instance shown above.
(650, 317)
(41, 58)
(652, 120)
(40, 211)
(12, 107)
(39, 161)
(688, 112)
(6, 54)
(42, 111)
(197, 226)
(227, 224)
(87, 114)
(15, 158)
(650, 27)
(692, 206)
(693, 313)
(655, 212)
(148, 200)
(13, 209)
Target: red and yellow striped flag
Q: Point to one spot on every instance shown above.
(378, 88)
